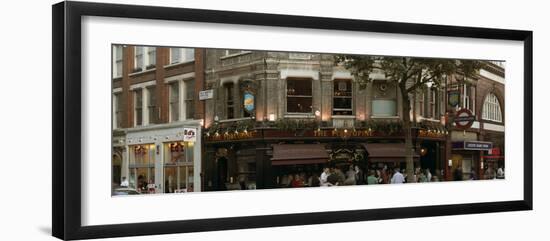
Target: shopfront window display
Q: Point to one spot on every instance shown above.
(142, 168)
(178, 167)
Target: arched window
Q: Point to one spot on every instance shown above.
(491, 108)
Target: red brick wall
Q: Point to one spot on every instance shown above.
(158, 74)
(161, 89)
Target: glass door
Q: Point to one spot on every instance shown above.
(170, 179)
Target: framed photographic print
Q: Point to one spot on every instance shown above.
(170, 120)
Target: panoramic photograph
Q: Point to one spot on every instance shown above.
(201, 119)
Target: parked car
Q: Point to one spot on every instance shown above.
(124, 191)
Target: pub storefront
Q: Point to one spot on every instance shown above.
(263, 156)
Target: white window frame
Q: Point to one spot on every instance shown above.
(117, 95)
(149, 59)
(186, 98)
(117, 73)
(145, 56)
(183, 55)
(170, 108)
(466, 97)
(143, 106)
(136, 57)
(491, 108)
(149, 104)
(144, 101)
(182, 101)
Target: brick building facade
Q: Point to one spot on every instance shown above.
(488, 105)
(154, 99)
(275, 113)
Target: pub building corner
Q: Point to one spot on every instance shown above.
(261, 116)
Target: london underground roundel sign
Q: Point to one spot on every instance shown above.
(464, 119)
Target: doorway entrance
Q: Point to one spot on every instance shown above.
(222, 172)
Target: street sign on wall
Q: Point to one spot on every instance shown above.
(206, 94)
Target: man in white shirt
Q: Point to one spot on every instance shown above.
(124, 182)
(500, 173)
(324, 178)
(397, 177)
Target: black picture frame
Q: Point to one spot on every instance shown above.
(67, 137)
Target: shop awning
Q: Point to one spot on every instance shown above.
(293, 154)
(387, 152)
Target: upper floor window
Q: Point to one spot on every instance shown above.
(384, 108)
(236, 101)
(491, 108)
(138, 59)
(138, 107)
(144, 58)
(152, 109)
(229, 89)
(181, 55)
(117, 56)
(428, 100)
(181, 100)
(299, 96)
(384, 102)
(189, 99)
(342, 97)
(118, 107)
(174, 101)
(152, 56)
(467, 97)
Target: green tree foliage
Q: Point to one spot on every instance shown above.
(409, 74)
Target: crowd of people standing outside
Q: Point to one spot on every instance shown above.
(354, 175)
(382, 175)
